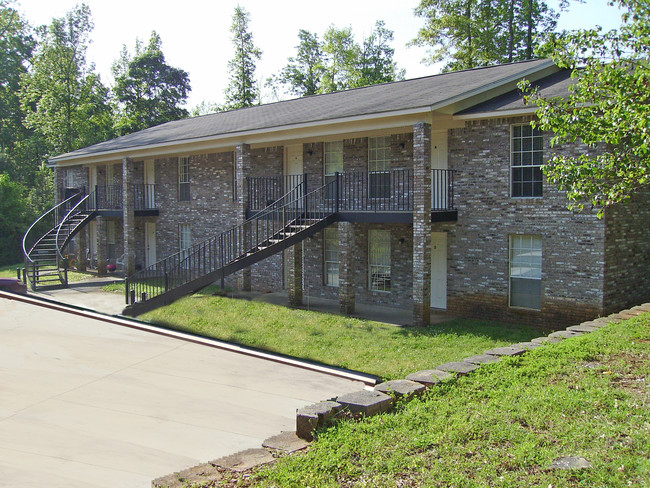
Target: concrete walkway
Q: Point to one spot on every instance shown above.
(85, 403)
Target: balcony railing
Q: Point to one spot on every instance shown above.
(110, 197)
(375, 191)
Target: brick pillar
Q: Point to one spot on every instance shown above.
(421, 224)
(82, 244)
(242, 170)
(346, 268)
(294, 286)
(128, 217)
(102, 246)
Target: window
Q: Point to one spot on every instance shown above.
(331, 256)
(111, 239)
(379, 260)
(184, 179)
(526, 271)
(526, 161)
(184, 241)
(333, 163)
(69, 178)
(379, 167)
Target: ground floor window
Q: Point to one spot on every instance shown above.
(331, 256)
(184, 240)
(379, 260)
(526, 271)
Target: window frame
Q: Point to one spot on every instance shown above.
(530, 267)
(332, 238)
(379, 182)
(377, 237)
(518, 155)
(184, 194)
(330, 149)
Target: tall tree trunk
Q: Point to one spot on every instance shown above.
(511, 30)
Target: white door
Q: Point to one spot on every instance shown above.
(92, 178)
(150, 243)
(439, 270)
(150, 182)
(439, 179)
(92, 245)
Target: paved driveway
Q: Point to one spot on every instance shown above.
(86, 403)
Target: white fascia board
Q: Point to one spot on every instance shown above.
(496, 88)
(253, 136)
(497, 113)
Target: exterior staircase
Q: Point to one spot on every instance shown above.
(45, 241)
(292, 218)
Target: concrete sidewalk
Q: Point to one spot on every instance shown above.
(89, 294)
(85, 403)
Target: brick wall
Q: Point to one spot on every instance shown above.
(478, 274)
(627, 253)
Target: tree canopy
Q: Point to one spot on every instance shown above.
(472, 33)
(63, 98)
(608, 109)
(148, 90)
(242, 90)
(339, 62)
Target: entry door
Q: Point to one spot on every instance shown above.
(440, 179)
(439, 270)
(150, 243)
(150, 182)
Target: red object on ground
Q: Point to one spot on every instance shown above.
(13, 285)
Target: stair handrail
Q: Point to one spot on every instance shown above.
(179, 260)
(53, 209)
(190, 250)
(71, 212)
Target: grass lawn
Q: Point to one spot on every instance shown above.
(9, 271)
(362, 345)
(502, 426)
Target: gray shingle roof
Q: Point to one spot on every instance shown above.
(555, 85)
(373, 100)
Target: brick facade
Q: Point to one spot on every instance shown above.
(590, 266)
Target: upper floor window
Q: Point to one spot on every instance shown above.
(379, 260)
(331, 256)
(378, 167)
(69, 178)
(332, 163)
(526, 161)
(184, 179)
(526, 271)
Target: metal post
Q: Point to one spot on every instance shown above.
(337, 191)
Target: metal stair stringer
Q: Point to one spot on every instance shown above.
(250, 258)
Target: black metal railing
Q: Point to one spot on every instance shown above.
(110, 197)
(290, 214)
(144, 197)
(376, 191)
(264, 190)
(442, 189)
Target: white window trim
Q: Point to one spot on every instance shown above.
(511, 238)
(512, 138)
(326, 261)
(182, 162)
(372, 266)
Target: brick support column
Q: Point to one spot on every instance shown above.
(242, 171)
(294, 286)
(82, 245)
(421, 224)
(128, 218)
(346, 267)
(102, 246)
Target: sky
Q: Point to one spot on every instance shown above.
(195, 33)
